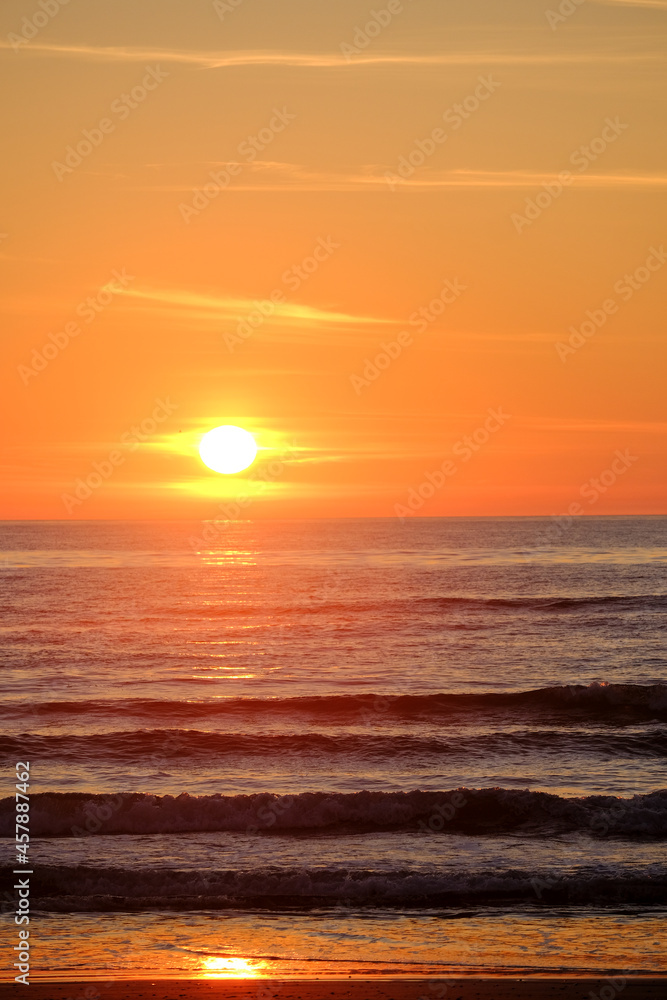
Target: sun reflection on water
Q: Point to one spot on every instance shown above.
(218, 967)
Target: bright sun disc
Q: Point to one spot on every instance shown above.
(228, 449)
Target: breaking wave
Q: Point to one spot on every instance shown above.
(159, 744)
(642, 701)
(471, 811)
(107, 889)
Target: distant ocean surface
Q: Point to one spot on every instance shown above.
(349, 746)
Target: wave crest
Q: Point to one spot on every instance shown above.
(110, 888)
(600, 698)
(471, 811)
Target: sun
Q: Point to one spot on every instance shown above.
(228, 449)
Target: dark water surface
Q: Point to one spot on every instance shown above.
(322, 741)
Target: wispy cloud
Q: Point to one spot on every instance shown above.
(657, 4)
(529, 179)
(579, 425)
(219, 308)
(295, 177)
(328, 60)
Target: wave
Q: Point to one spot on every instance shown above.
(335, 601)
(464, 810)
(642, 602)
(628, 701)
(108, 889)
(148, 744)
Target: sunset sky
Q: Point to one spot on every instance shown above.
(506, 165)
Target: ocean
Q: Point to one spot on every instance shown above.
(338, 747)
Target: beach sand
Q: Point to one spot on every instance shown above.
(381, 989)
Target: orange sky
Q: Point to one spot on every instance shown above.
(169, 166)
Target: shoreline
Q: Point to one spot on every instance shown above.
(647, 987)
(121, 976)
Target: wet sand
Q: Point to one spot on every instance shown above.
(381, 989)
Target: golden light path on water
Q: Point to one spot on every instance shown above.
(218, 967)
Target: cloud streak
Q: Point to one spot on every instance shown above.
(295, 177)
(325, 60)
(219, 308)
(655, 4)
(578, 425)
